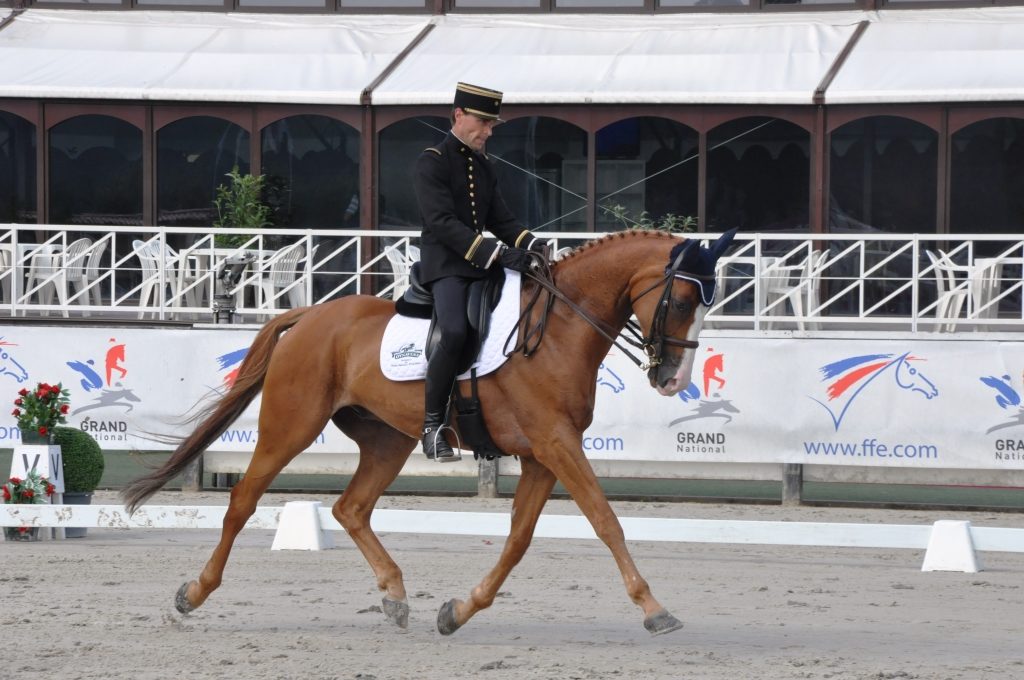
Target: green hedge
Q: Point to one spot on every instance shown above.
(83, 459)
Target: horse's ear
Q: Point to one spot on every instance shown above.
(717, 248)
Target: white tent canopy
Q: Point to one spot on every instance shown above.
(958, 55)
(613, 59)
(779, 58)
(199, 56)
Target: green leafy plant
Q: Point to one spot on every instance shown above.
(240, 203)
(41, 409)
(83, 459)
(670, 222)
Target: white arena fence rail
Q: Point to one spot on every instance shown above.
(950, 545)
(803, 282)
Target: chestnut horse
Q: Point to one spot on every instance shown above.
(326, 367)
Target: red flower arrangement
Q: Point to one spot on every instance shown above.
(34, 488)
(41, 409)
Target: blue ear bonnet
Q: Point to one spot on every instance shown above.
(698, 264)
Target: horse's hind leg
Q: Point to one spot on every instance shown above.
(532, 492)
(382, 453)
(280, 440)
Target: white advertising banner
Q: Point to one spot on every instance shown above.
(128, 384)
(853, 401)
(930, 403)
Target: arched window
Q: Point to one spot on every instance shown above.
(95, 171)
(400, 144)
(882, 175)
(758, 175)
(311, 165)
(17, 169)
(193, 155)
(987, 177)
(645, 165)
(541, 164)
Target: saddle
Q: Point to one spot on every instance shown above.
(484, 295)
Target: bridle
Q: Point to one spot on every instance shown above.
(652, 344)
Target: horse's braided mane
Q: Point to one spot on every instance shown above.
(627, 234)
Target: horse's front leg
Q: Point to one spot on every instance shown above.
(573, 470)
(532, 492)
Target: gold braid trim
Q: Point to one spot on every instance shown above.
(472, 249)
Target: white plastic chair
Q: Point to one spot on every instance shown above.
(49, 272)
(281, 275)
(84, 272)
(7, 272)
(400, 267)
(192, 277)
(950, 290)
(156, 262)
(985, 280)
(800, 285)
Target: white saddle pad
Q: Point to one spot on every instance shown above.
(402, 349)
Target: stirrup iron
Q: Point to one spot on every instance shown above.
(434, 443)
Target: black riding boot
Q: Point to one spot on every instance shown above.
(438, 390)
(435, 446)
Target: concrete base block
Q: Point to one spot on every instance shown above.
(299, 528)
(950, 548)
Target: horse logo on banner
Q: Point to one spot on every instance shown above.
(712, 373)
(111, 390)
(231, 362)
(9, 365)
(1006, 397)
(609, 378)
(848, 378)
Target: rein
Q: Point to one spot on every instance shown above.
(651, 345)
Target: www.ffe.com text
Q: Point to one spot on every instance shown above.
(872, 448)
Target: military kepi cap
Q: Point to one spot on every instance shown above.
(478, 100)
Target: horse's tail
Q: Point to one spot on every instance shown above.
(215, 419)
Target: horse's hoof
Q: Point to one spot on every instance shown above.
(662, 622)
(181, 602)
(397, 612)
(446, 623)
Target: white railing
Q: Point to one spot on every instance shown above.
(798, 282)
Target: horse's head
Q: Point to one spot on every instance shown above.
(605, 376)
(909, 378)
(10, 366)
(670, 300)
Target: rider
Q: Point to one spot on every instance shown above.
(457, 191)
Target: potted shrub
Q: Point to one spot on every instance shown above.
(39, 411)
(83, 469)
(240, 204)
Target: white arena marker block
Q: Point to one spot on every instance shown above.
(299, 528)
(950, 548)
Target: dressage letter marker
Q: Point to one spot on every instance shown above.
(299, 528)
